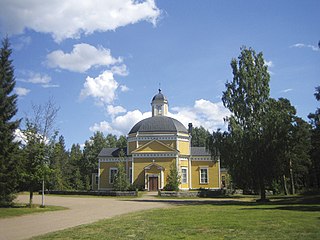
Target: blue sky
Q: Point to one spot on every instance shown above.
(102, 61)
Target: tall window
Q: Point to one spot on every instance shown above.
(184, 175)
(112, 173)
(159, 107)
(130, 175)
(203, 175)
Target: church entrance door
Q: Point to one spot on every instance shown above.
(153, 183)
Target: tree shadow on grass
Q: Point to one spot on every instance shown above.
(301, 208)
(181, 202)
(297, 203)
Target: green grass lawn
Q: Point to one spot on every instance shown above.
(22, 209)
(288, 218)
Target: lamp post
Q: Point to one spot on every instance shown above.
(42, 199)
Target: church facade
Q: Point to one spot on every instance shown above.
(153, 145)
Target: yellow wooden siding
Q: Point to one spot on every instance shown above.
(141, 143)
(131, 147)
(169, 143)
(184, 147)
(94, 184)
(104, 174)
(213, 174)
(154, 146)
(141, 163)
(105, 171)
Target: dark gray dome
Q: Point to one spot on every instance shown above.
(159, 124)
(159, 96)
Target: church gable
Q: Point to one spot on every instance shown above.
(154, 146)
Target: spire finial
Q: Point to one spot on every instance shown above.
(159, 87)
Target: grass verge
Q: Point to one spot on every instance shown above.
(22, 209)
(205, 220)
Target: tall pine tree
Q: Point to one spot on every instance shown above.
(8, 108)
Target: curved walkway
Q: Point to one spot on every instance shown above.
(82, 210)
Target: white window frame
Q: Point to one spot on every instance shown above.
(207, 170)
(182, 175)
(111, 181)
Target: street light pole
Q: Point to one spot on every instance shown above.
(42, 200)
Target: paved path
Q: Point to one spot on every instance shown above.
(81, 211)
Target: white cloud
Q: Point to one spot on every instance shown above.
(102, 88)
(302, 45)
(124, 88)
(269, 64)
(101, 127)
(83, 57)
(22, 42)
(120, 70)
(286, 90)
(70, 19)
(37, 78)
(19, 136)
(22, 91)
(204, 113)
(51, 85)
(120, 125)
(115, 110)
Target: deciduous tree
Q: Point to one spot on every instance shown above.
(315, 143)
(246, 96)
(199, 136)
(38, 134)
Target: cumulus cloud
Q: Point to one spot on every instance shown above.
(102, 88)
(115, 110)
(120, 125)
(22, 91)
(203, 113)
(37, 78)
(82, 57)
(70, 19)
(124, 88)
(120, 70)
(302, 45)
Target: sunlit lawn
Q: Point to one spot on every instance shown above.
(289, 219)
(22, 209)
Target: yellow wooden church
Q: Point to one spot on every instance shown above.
(154, 144)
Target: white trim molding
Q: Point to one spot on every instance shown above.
(154, 155)
(128, 159)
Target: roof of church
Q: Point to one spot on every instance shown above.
(112, 152)
(159, 124)
(159, 96)
(200, 151)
